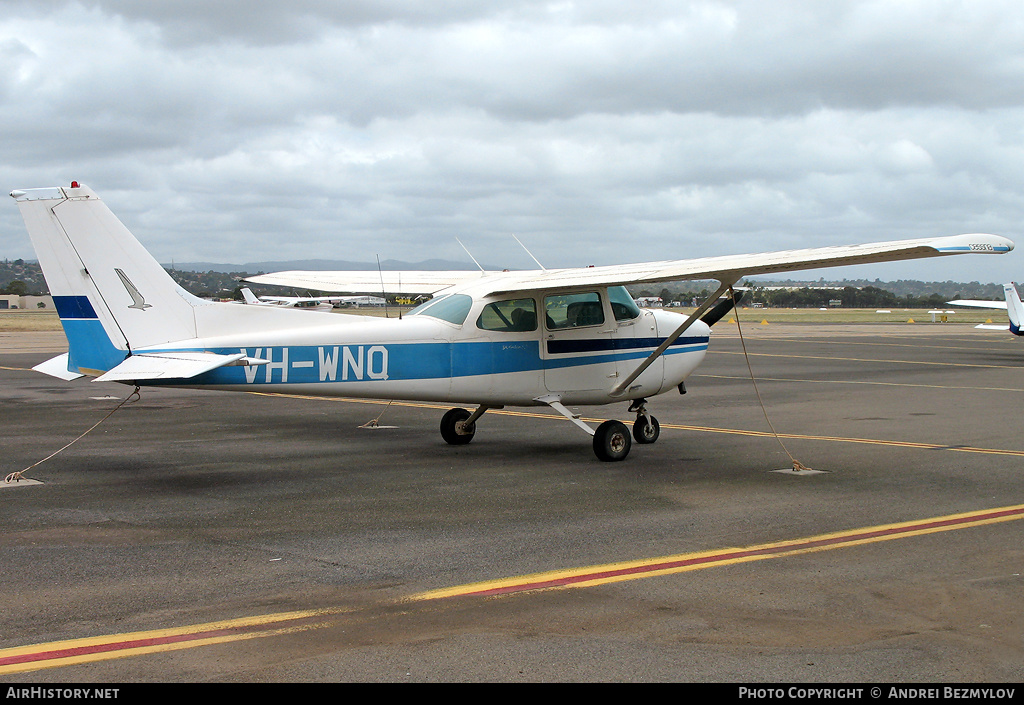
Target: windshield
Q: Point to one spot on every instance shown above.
(453, 308)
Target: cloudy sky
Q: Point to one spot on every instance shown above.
(596, 131)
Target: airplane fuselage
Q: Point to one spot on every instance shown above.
(422, 358)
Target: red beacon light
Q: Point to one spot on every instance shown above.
(74, 184)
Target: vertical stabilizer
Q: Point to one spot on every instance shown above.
(110, 294)
(1014, 308)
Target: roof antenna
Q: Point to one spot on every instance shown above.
(470, 255)
(383, 292)
(528, 252)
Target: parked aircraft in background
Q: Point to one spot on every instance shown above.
(311, 303)
(549, 337)
(300, 302)
(1011, 304)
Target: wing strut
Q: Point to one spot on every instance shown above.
(622, 386)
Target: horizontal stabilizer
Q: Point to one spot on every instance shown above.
(992, 326)
(57, 367)
(978, 304)
(173, 365)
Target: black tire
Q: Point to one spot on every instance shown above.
(452, 431)
(645, 432)
(612, 441)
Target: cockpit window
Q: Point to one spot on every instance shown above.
(453, 308)
(512, 316)
(623, 306)
(573, 310)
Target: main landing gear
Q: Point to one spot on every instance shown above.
(612, 439)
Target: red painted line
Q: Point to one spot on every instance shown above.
(114, 646)
(824, 542)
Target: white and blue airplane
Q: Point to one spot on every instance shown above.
(1011, 304)
(549, 337)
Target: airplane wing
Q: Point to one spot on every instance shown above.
(731, 268)
(975, 303)
(725, 268)
(287, 299)
(369, 282)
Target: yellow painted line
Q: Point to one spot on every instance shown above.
(859, 359)
(669, 565)
(885, 342)
(846, 381)
(842, 439)
(697, 429)
(77, 651)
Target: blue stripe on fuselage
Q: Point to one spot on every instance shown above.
(561, 347)
(412, 361)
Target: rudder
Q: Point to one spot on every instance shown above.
(110, 294)
(1014, 308)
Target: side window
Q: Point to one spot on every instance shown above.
(512, 316)
(573, 310)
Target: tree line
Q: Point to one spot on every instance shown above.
(847, 297)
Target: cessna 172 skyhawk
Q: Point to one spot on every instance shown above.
(554, 337)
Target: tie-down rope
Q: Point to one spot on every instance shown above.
(19, 475)
(797, 465)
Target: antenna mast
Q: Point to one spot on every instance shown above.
(528, 252)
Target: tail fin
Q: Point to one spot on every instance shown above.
(1014, 308)
(110, 294)
(249, 297)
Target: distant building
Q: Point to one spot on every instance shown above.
(14, 301)
(649, 302)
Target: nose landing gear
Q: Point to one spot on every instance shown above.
(646, 429)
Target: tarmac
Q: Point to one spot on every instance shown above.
(198, 536)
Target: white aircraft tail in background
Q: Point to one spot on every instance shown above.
(548, 337)
(1011, 303)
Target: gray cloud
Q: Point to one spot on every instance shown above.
(596, 131)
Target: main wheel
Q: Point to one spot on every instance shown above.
(645, 432)
(453, 427)
(612, 441)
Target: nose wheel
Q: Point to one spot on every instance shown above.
(646, 429)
